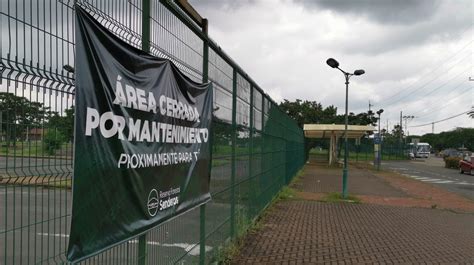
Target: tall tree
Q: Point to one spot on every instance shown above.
(64, 124)
(313, 112)
(18, 115)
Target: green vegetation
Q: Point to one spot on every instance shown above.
(337, 197)
(451, 162)
(245, 226)
(34, 149)
(52, 141)
(453, 139)
(286, 193)
(31, 148)
(24, 124)
(365, 153)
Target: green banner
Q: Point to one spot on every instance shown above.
(142, 152)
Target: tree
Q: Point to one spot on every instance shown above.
(19, 115)
(52, 141)
(459, 137)
(65, 124)
(308, 112)
(313, 112)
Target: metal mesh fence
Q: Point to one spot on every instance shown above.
(256, 147)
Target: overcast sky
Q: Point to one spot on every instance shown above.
(418, 55)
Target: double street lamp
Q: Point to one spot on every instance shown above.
(335, 64)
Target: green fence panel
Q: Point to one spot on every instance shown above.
(257, 148)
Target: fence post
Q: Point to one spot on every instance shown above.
(262, 154)
(251, 187)
(234, 142)
(202, 210)
(146, 48)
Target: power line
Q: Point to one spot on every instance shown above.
(452, 117)
(446, 104)
(455, 92)
(398, 100)
(432, 71)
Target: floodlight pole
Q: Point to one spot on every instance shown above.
(345, 171)
(380, 145)
(379, 153)
(346, 153)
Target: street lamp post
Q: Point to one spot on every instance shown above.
(335, 64)
(379, 154)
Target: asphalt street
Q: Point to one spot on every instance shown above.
(34, 222)
(34, 166)
(432, 171)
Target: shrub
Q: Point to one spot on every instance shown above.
(451, 162)
(52, 141)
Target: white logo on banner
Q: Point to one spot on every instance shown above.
(153, 202)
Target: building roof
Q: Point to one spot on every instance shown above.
(326, 130)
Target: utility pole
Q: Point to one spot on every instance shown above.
(401, 126)
(406, 118)
(370, 105)
(432, 127)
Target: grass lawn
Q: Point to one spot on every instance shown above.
(32, 149)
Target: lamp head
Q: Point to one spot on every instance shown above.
(359, 72)
(332, 62)
(379, 111)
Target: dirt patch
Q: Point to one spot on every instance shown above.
(422, 193)
(378, 187)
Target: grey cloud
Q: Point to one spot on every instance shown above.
(450, 23)
(384, 12)
(227, 5)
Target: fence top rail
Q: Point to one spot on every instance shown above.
(181, 15)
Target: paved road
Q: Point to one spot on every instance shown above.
(34, 228)
(34, 221)
(34, 166)
(432, 171)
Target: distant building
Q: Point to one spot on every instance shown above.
(35, 134)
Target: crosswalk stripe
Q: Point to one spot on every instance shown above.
(464, 183)
(430, 180)
(437, 181)
(419, 178)
(443, 182)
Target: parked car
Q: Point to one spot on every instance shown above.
(450, 152)
(466, 165)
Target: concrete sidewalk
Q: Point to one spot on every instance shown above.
(393, 228)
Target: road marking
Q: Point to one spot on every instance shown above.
(437, 181)
(192, 249)
(55, 235)
(464, 183)
(419, 178)
(431, 180)
(399, 168)
(443, 182)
